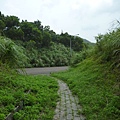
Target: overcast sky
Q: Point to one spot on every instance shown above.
(87, 18)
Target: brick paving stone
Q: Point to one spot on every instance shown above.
(69, 117)
(69, 111)
(75, 114)
(72, 98)
(74, 106)
(67, 108)
(77, 118)
(82, 117)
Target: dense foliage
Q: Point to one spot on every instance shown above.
(108, 48)
(42, 39)
(40, 102)
(95, 78)
(56, 55)
(11, 54)
(39, 94)
(97, 88)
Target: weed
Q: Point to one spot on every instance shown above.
(41, 99)
(94, 84)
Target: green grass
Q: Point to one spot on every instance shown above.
(39, 103)
(97, 88)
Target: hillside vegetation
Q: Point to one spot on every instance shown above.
(42, 46)
(94, 75)
(95, 78)
(38, 94)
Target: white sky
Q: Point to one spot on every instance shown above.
(87, 18)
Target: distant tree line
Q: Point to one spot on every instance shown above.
(11, 27)
(41, 45)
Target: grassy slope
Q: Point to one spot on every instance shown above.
(39, 103)
(96, 87)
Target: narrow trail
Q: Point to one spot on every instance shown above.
(67, 107)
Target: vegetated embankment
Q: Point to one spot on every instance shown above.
(97, 88)
(38, 95)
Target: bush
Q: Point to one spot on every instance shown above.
(79, 57)
(11, 54)
(55, 55)
(108, 48)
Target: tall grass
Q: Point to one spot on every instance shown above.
(82, 55)
(96, 79)
(97, 88)
(11, 54)
(108, 48)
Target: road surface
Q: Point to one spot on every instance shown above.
(45, 70)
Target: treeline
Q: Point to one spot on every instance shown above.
(11, 27)
(37, 39)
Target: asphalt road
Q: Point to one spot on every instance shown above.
(45, 70)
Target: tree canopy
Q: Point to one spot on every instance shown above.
(11, 27)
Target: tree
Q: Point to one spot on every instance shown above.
(53, 36)
(77, 43)
(31, 32)
(11, 26)
(38, 25)
(37, 36)
(2, 26)
(46, 28)
(11, 21)
(65, 39)
(15, 33)
(27, 29)
(1, 16)
(46, 39)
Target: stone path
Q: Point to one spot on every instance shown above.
(67, 108)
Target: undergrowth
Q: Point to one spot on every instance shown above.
(97, 88)
(39, 103)
(11, 54)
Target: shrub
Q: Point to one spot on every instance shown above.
(79, 57)
(108, 47)
(11, 54)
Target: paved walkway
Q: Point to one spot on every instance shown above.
(67, 108)
(42, 70)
